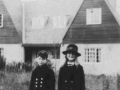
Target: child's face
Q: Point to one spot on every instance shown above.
(71, 56)
(41, 61)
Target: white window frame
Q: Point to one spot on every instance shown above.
(60, 21)
(39, 22)
(1, 20)
(93, 16)
(1, 51)
(92, 55)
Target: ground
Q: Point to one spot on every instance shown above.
(20, 81)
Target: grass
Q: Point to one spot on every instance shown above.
(20, 81)
(14, 81)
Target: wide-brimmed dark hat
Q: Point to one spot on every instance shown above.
(42, 54)
(72, 48)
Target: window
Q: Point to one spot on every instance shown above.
(1, 20)
(93, 16)
(93, 55)
(1, 51)
(60, 21)
(39, 22)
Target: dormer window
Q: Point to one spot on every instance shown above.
(93, 16)
(60, 21)
(39, 22)
(1, 20)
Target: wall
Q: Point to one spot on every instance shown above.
(109, 56)
(12, 52)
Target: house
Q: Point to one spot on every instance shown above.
(44, 28)
(11, 30)
(96, 31)
(93, 25)
(90, 25)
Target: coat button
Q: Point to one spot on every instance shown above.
(41, 78)
(36, 82)
(36, 78)
(71, 81)
(35, 85)
(65, 80)
(41, 82)
(40, 85)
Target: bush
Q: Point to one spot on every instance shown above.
(2, 62)
(18, 67)
(27, 66)
(14, 67)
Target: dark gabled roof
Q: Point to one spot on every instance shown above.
(11, 32)
(107, 32)
(49, 34)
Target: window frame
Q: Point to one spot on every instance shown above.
(42, 22)
(1, 51)
(1, 21)
(91, 16)
(59, 20)
(93, 62)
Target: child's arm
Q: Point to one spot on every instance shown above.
(31, 87)
(60, 79)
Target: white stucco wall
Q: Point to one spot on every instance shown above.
(12, 52)
(110, 58)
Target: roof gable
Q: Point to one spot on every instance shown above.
(48, 34)
(107, 32)
(8, 33)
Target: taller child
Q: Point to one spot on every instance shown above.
(71, 74)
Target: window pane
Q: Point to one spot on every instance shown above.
(93, 55)
(93, 16)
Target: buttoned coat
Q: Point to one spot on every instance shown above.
(71, 78)
(42, 78)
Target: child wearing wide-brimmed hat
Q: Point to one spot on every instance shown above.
(71, 74)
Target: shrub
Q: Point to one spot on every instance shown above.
(18, 67)
(118, 81)
(13, 67)
(27, 66)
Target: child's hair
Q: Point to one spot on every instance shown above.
(75, 60)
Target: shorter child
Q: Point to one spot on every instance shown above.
(42, 77)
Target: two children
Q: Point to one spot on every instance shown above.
(71, 74)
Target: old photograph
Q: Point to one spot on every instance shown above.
(59, 44)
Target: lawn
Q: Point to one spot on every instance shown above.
(20, 81)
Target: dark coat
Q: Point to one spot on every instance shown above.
(71, 78)
(42, 79)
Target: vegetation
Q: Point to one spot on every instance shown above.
(16, 76)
